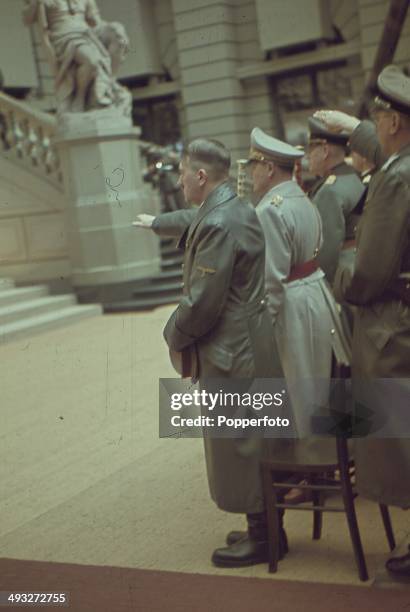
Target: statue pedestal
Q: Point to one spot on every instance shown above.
(104, 189)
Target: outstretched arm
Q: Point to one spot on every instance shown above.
(173, 223)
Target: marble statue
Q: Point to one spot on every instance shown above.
(84, 53)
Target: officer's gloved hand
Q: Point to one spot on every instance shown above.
(144, 221)
(337, 121)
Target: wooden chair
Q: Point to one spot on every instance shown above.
(315, 472)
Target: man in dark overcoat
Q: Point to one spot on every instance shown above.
(223, 324)
(380, 288)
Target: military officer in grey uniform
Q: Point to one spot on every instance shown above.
(380, 288)
(303, 310)
(222, 322)
(336, 195)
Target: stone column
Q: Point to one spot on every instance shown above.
(213, 97)
(104, 190)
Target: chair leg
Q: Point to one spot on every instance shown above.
(317, 499)
(272, 519)
(384, 510)
(348, 501)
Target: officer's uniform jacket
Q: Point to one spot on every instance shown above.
(222, 317)
(381, 341)
(336, 197)
(304, 313)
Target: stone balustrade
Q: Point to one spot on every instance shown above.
(26, 135)
(70, 189)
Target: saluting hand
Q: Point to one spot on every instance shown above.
(337, 121)
(144, 221)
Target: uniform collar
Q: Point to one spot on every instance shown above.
(222, 193)
(402, 153)
(341, 169)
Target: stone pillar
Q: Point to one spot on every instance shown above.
(213, 97)
(104, 190)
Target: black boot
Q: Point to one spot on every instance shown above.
(250, 549)
(236, 536)
(399, 566)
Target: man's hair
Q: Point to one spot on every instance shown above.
(404, 121)
(209, 154)
(285, 168)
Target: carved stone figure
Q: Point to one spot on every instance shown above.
(84, 52)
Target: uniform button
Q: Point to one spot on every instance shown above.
(407, 285)
(263, 302)
(333, 331)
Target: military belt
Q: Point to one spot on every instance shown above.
(348, 244)
(302, 270)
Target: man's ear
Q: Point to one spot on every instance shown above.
(271, 169)
(395, 123)
(202, 176)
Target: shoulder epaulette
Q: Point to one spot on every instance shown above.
(277, 200)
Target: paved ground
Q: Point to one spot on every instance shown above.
(85, 478)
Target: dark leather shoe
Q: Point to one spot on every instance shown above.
(236, 536)
(399, 566)
(246, 551)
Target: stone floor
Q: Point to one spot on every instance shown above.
(85, 478)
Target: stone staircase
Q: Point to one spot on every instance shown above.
(165, 288)
(25, 311)
(27, 145)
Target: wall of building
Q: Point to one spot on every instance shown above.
(372, 14)
(201, 44)
(257, 98)
(166, 36)
(211, 94)
(42, 97)
(168, 51)
(137, 16)
(17, 63)
(207, 40)
(33, 227)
